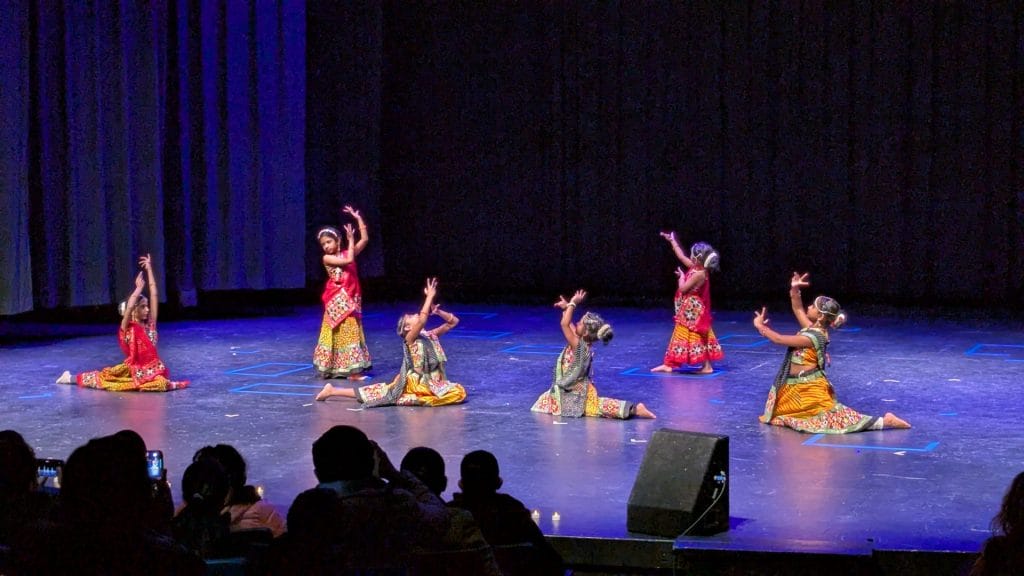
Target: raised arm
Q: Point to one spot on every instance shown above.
(133, 299)
(154, 294)
(795, 284)
(450, 320)
(671, 237)
(568, 307)
(363, 238)
(429, 291)
(795, 341)
(348, 256)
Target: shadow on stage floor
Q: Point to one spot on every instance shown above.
(890, 501)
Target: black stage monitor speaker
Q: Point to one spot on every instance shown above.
(682, 486)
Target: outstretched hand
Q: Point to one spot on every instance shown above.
(799, 281)
(435, 310)
(146, 262)
(575, 300)
(430, 290)
(670, 236)
(761, 318)
(578, 297)
(352, 211)
(680, 272)
(140, 282)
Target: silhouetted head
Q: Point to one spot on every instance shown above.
(1010, 518)
(17, 465)
(480, 473)
(427, 465)
(315, 515)
(204, 487)
(230, 459)
(105, 481)
(342, 453)
(132, 439)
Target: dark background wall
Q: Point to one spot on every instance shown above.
(533, 147)
(515, 150)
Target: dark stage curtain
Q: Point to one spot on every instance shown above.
(542, 145)
(15, 265)
(172, 127)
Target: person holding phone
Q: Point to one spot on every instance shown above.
(142, 369)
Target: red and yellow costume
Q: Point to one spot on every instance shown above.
(693, 341)
(142, 369)
(807, 401)
(341, 349)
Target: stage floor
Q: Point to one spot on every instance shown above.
(935, 487)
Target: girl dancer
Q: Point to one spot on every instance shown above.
(693, 341)
(341, 349)
(802, 397)
(572, 391)
(142, 369)
(423, 380)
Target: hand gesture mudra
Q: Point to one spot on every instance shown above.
(761, 317)
(799, 281)
(352, 211)
(430, 290)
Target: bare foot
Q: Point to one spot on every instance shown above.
(326, 392)
(662, 368)
(890, 420)
(643, 412)
(65, 378)
(705, 370)
(357, 377)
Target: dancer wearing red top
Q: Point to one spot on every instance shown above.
(341, 348)
(693, 341)
(142, 369)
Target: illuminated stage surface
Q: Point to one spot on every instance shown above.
(932, 488)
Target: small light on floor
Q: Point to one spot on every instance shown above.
(535, 515)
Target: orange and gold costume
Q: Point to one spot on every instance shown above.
(807, 402)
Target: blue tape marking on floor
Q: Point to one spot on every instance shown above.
(250, 389)
(646, 373)
(814, 441)
(947, 414)
(245, 351)
(477, 334)
(847, 329)
(248, 370)
(544, 349)
(32, 396)
(756, 340)
(716, 401)
(482, 315)
(1009, 353)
